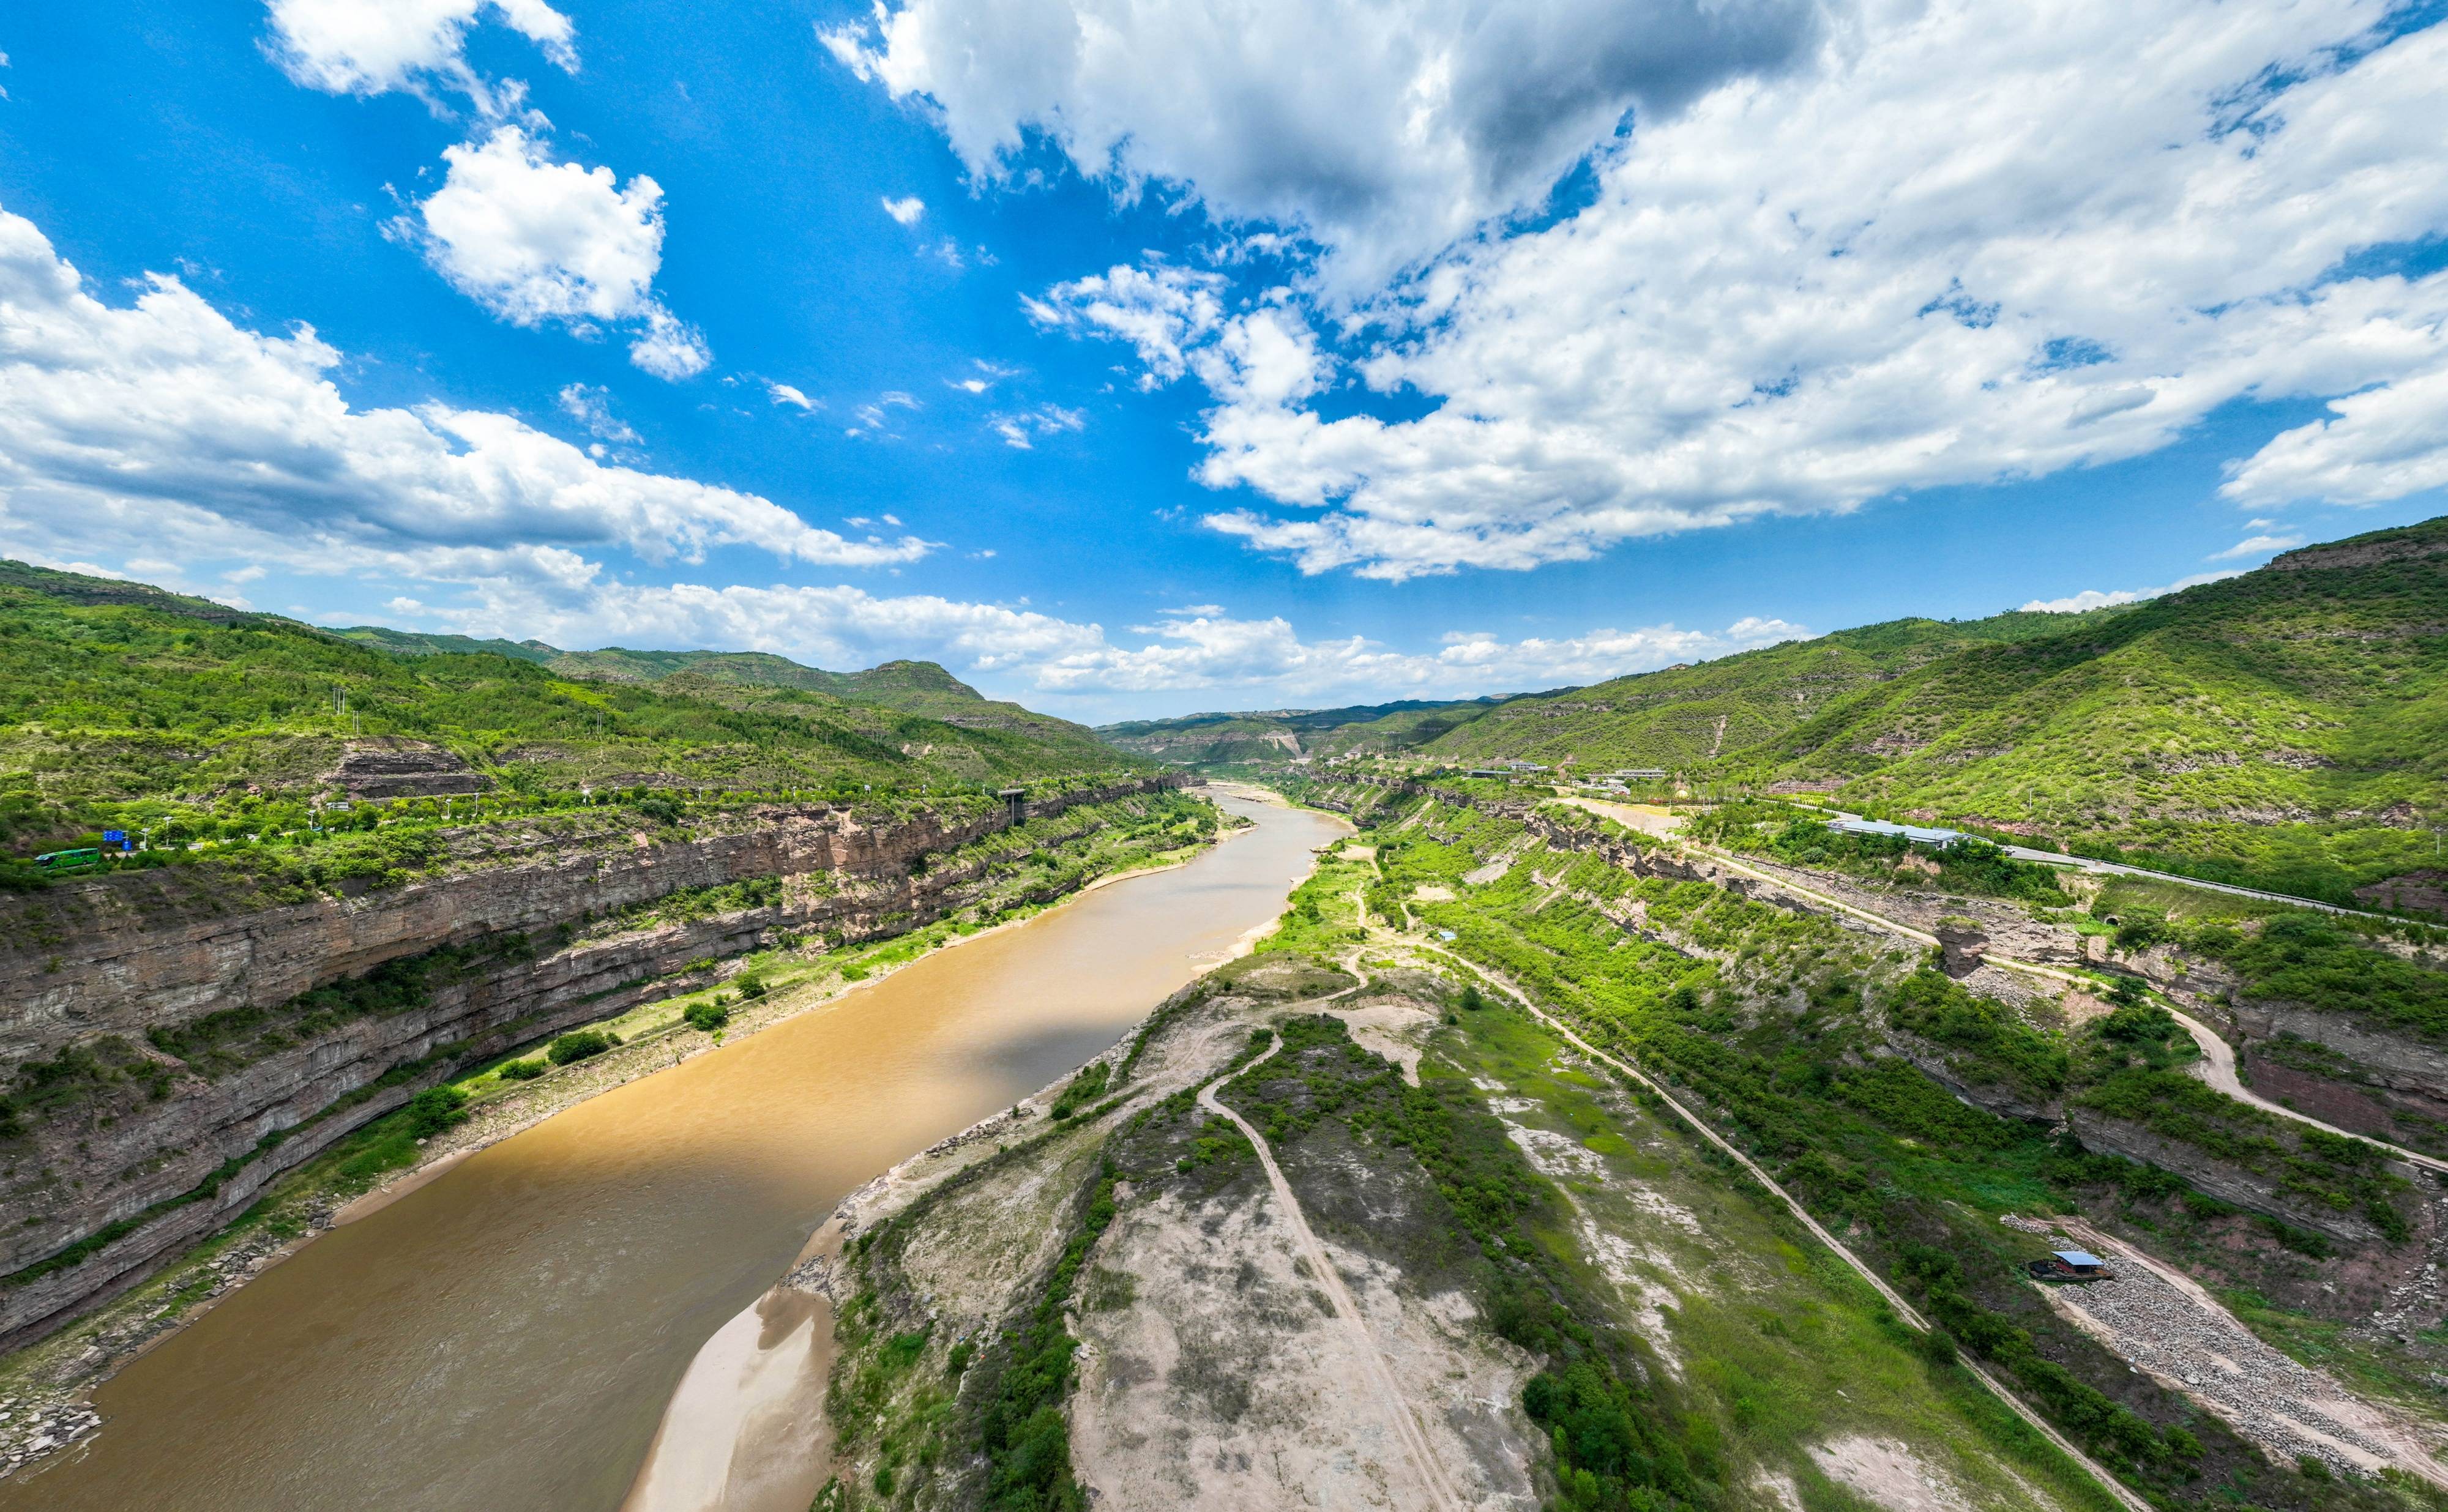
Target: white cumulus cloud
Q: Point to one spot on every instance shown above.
(163, 422)
(2257, 546)
(540, 241)
(2384, 443)
(1200, 649)
(2097, 599)
(1943, 244)
(906, 210)
(1382, 132)
(369, 47)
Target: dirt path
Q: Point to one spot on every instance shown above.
(2217, 1067)
(1407, 1424)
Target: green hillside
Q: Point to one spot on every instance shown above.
(1686, 715)
(911, 687)
(2289, 725)
(124, 706)
(2286, 729)
(417, 644)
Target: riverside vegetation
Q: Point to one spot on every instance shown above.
(1575, 1299)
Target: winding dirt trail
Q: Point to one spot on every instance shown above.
(2217, 1067)
(1397, 1407)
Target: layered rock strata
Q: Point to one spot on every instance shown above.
(107, 959)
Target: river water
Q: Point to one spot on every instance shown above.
(508, 1335)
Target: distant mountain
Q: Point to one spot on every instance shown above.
(1210, 740)
(415, 643)
(2286, 727)
(910, 687)
(2290, 724)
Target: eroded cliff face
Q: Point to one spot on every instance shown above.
(169, 1152)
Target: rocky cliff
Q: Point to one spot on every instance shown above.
(196, 1051)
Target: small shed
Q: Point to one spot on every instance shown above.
(2071, 1265)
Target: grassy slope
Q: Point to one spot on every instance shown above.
(2291, 722)
(115, 694)
(2287, 728)
(1670, 718)
(1767, 1021)
(910, 687)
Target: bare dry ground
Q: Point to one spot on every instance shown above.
(1216, 1368)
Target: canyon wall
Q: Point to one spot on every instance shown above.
(527, 917)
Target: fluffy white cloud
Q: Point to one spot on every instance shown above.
(785, 393)
(1954, 245)
(367, 47)
(536, 241)
(2384, 443)
(905, 210)
(1382, 132)
(1161, 311)
(163, 422)
(2095, 599)
(2257, 546)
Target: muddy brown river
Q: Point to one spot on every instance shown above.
(508, 1335)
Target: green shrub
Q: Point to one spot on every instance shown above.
(519, 1070)
(706, 1016)
(435, 1109)
(579, 1045)
(1083, 1088)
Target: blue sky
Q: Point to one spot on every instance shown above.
(1132, 359)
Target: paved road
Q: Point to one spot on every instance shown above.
(2218, 1069)
(2084, 863)
(2217, 1066)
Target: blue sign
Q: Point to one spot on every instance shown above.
(115, 836)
